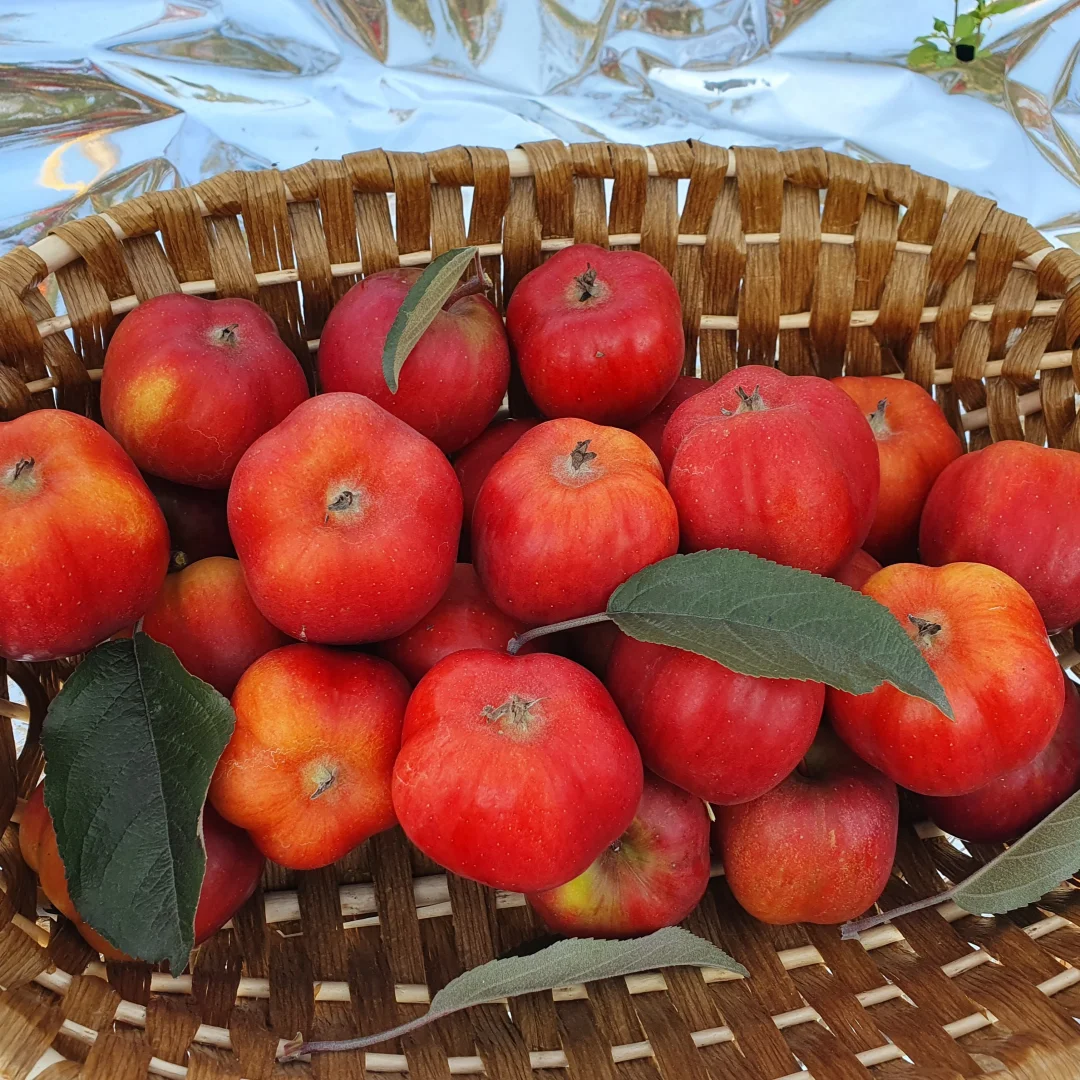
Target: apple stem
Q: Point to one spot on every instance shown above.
(21, 467)
(514, 709)
(226, 335)
(346, 500)
(475, 286)
(926, 628)
(747, 402)
(877, 419)
(515, 643)
(851, 930)
(581, 455)
(587, 283)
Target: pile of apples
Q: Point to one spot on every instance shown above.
(368, 667)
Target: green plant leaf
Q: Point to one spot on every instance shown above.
(422, 303)
(1026, 871)
(922, 55)
(130, 744)
(565, 963)
(759, 618)
(941, 26)
(972, 39)
(946, 59)
(965, 24)
(999, 7)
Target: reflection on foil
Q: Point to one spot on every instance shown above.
(100, 101)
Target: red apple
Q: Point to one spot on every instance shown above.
(516, 771)
(597, 334)
(346, 522)
(785, 467)
(722, 736)
(307, 770)
(473, 464)
(653, 876)
(566, 516)
(914, 443)
(857, 571)
(1015, 506)
(651, 429)
(1007, 807)
(819, 848)
(83, 545)
(233, 869)
(453, 381)
(189, 384)
(982, 636)
(206, 616)
(196, 517)
(465, 618)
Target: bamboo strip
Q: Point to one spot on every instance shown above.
(121, 306)
(130, 1013)
(14, 709)
(1051, 361)
(645, 983)
(56, 252)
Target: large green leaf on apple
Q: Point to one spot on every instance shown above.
(130, 744)
(422, 303)
(566, 963)
(771, 621)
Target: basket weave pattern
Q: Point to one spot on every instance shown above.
(827, 263)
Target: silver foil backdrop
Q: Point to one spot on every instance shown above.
(105, 99)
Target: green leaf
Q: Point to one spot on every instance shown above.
(972, 39)
(922, 55)
(130, 744)
(565, 963)
(941, 26)
(946, 59)
(1025, 872)
(422, 303)
(965, 24)
(999, 7)
(759, 618)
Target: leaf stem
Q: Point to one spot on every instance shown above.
(853, 929)
(475, 286)
(292, 1050)
(515, 643)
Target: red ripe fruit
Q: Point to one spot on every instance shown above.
(651, 430)
(722, 736)
(453, 381)
(516, 771)
(983, 638)
(465, 618)
(1015, 506)
(566, 516)
(473, 464)
(345, 521)
(653, 876)
(785, 467)
(597, 334)
(914, 444)
(189, 384)
(1007, 807)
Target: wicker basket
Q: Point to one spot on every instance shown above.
(891, 272)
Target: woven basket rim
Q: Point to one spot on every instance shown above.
(909, 985)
